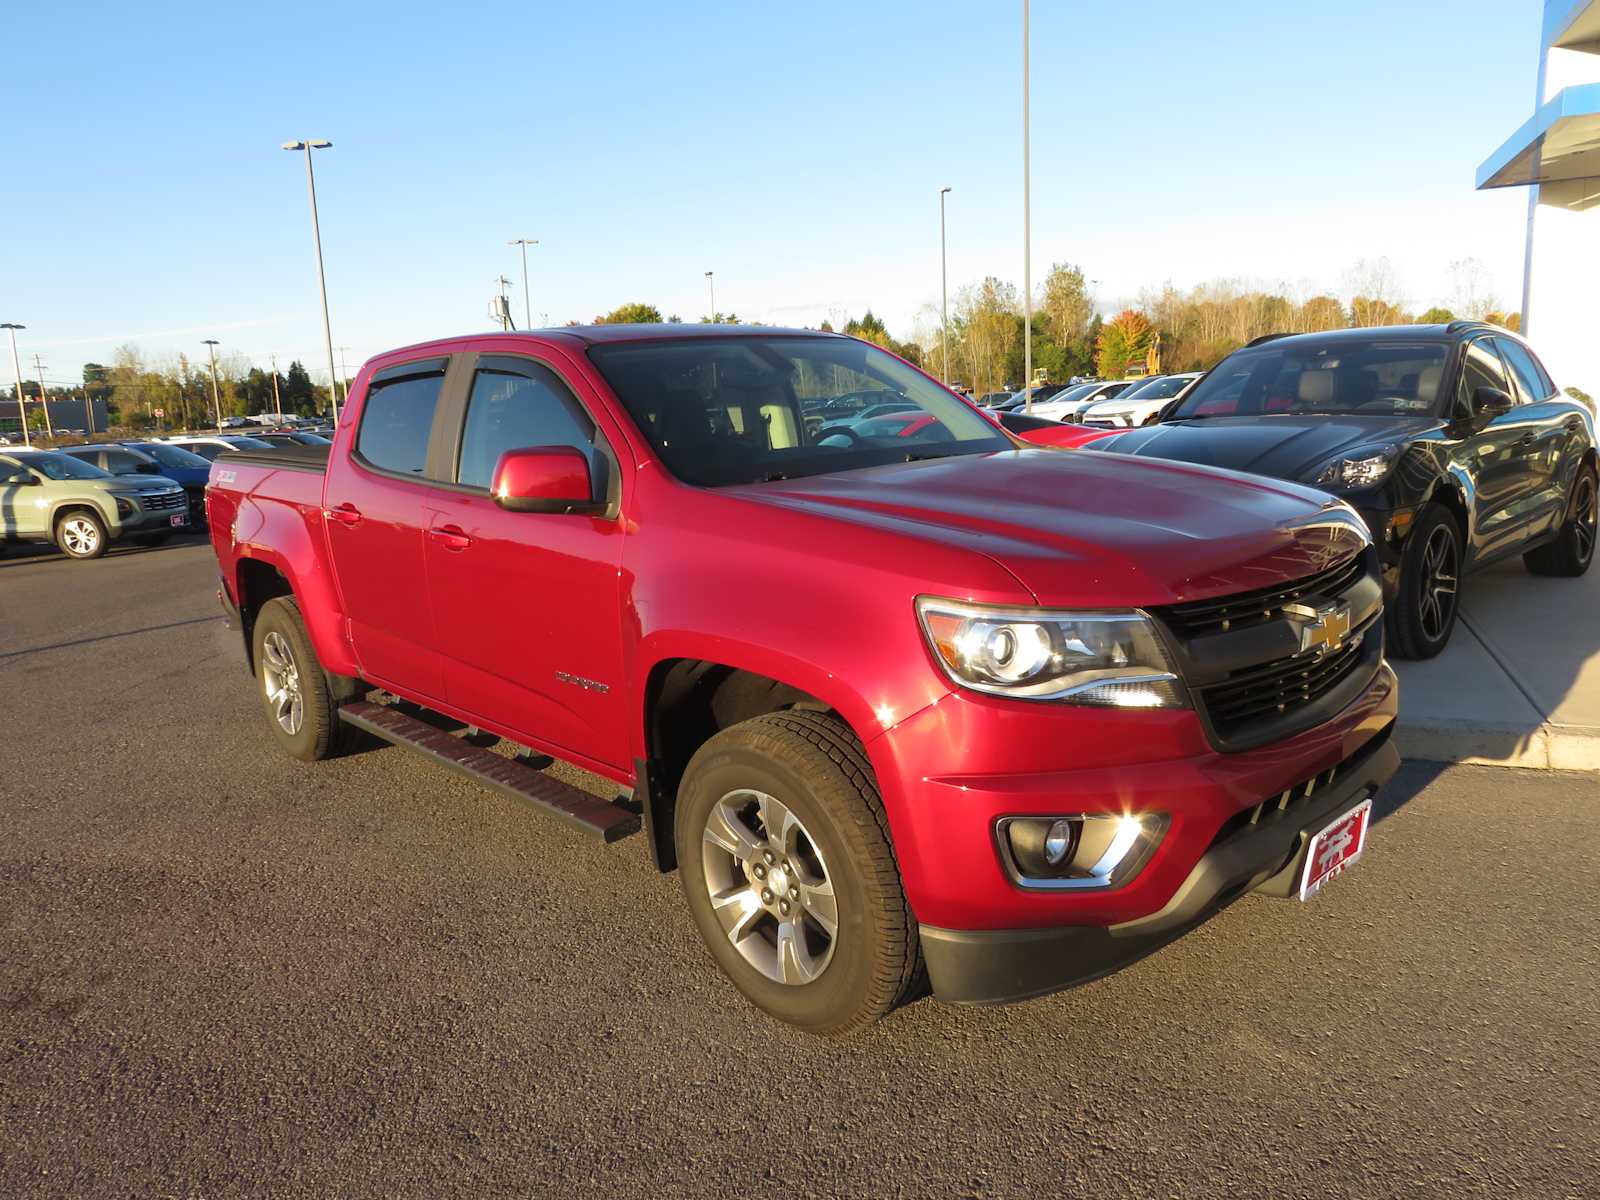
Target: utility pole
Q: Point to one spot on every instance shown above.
(216, 397)
(44, 399)
(1027, 233)
(88, 409)
(277, 400)
(944, 292)
(344, 373)
(505, 304)
(527, 307)
(711, 291)
(16, 365)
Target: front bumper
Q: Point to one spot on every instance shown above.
(998, 966)
(153, 520)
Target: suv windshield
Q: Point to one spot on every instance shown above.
(61, 466)
(746, 409)
(170, 456)
(1345, 376)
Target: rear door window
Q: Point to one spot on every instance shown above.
(396, 422)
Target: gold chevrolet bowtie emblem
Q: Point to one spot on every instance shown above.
(1326, 626)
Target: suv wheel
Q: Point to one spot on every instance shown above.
(294, 689)
(1573, 548)
(784, 854)
(80, 534)
(1424, 613)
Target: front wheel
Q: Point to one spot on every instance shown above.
(1573, 548)
(1425, 609)
(300, 707)
(81, 534)
(784, 854)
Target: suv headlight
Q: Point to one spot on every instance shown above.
(1350, 474)
(1111, 659)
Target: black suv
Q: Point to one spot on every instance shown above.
(1450, 440)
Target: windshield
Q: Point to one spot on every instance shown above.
(62, 466)
(745, 409)
(1164, 388)
(1347, 377)
(1072, 393)
(171, 456)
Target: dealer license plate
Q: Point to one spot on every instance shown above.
(1335, 849)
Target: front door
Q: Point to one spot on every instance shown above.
(527, 606)
(377, 509)
(1492, 449)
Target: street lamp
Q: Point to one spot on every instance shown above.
(711, 291)
(527, 308)
(308, 145)
(16, 365)
(211, 345)
(944, 290)
(1027, 234)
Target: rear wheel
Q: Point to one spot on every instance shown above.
(300, 706)
(1573, 548)
(784, 854)
(80, 534)
(1425, 609)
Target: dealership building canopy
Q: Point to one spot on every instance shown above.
(1556, 153)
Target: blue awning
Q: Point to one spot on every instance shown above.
(1558, 148)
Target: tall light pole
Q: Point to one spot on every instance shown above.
(527, 306)
(944, 290)
(211, 345)
(277, 400)
(308, 145)
(344, 373)
(1027, 234)
(44, 398)
(711, 291)
(16, 365)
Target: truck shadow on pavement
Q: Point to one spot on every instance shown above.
(103, 637)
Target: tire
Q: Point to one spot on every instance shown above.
(288, 671)
(1572, 550)
(81, 534)
(1425, 610)
(841, 867)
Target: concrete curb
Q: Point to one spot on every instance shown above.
(1545, 748)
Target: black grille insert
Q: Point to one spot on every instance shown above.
(1243, 609)
(1281, 686)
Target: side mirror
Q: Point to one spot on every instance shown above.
(545, 479)
(1491, 402)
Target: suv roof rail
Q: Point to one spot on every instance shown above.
(1265, 337)
(1463, 325)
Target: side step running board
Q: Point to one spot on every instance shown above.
(609, 822)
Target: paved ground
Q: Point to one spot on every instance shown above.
(224, 973)
(1519, 684)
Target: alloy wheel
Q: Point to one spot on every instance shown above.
(1440, 571)
(1584, 517)
(769, 887)
(280, 680)
(80, 535)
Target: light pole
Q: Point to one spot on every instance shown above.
(16, 365)
(44, 398)
(1027, 234)
(527, 307)
(308, 145)
(711, 291)
(944, 290)
(344, 373)
(277, 400)
(211, 345)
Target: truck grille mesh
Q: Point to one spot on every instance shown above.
(1243, 609)
(1281, 686)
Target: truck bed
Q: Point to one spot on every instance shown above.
(295, 457)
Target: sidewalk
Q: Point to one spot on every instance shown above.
(1519, 684)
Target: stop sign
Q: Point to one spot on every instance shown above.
(160, 412)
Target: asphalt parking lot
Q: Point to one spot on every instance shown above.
(226, 973)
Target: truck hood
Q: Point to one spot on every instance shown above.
(1285, 447)
(1077, 528)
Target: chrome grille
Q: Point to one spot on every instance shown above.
(162, 501)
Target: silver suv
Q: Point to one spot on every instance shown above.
(50, 497)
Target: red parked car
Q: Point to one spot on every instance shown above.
(943, 700)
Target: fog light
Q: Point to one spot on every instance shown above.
(1057, 842)
(1080, 852)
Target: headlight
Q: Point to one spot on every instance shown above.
(1112, 659)
(1353, 473)
(125, 507)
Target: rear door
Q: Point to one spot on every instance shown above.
(528, 606)
(377, 505)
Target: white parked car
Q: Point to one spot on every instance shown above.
(1142, 404)
(1065, 406)
(208, 447)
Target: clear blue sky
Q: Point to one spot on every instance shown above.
(795, 149)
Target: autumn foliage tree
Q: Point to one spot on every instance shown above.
(631, 314)
(1124, 342)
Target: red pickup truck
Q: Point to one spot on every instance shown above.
(1012, 716)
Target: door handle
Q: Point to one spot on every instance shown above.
(345, 514)
(452, 537)
(1527, 439)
